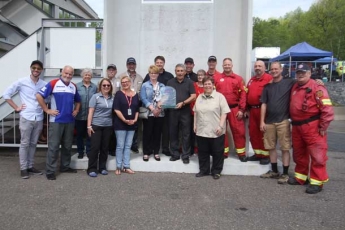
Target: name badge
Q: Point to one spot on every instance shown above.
(129, 112)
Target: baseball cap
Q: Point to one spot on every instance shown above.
(212, 58)
(189, 59)
(37, 62)
(112, 66)
(302, 68)
(131, 60)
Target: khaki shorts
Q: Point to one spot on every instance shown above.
(278, 130)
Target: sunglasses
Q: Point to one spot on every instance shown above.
(36, 68)
(105, 85)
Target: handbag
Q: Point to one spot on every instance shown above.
(144, 113)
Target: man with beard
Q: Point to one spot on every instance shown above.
(255, 87)
(31, 116)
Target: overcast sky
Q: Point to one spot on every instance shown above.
(262, 8)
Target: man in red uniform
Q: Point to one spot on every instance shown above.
(212, 72)
(231, 86)
(311, 113)
(255, 86)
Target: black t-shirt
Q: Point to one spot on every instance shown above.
(162, 78)
(183, 89)
(121, 103)
(277, 98)
(192, 76)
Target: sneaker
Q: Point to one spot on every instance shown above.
(283, 179)
(104, 172)
(216, 176)
(93, 174)
(34, 171)
(313, 189)
(24, 174)
(270, 174)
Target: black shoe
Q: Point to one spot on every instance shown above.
(216, 176)
(166, 153)
(112, 153)
(185, 161)
(225, 156)
(200, 174)
(313, 189)
(253, 158)
(34, 171)
(135, 149)
(242, 158)
(293, 181)
(69, 170)
(51, 176)
(80, 156)
(265, 161)
(174, 158)
(24, 174)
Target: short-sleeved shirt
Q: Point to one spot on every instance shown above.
(277, 98)
(102, 115)
(121, 103)
(183, 89)
(63, 98)
(208, 111)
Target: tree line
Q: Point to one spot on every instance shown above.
(322, 26)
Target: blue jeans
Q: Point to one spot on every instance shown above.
(124, 140)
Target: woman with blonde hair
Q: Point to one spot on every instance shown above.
(126, 107)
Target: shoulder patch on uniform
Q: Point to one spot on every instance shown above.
(319, 93)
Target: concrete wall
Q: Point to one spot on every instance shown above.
(177, 31)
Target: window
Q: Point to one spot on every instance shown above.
(64, 14)
(45, 6)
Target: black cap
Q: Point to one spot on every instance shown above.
(131, 60)
(302, 68)
(212, 58)
(37, 62)
(189, 59)
(112, 66)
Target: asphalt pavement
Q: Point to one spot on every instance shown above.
(169, 200)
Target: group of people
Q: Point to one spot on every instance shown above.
(107, 115)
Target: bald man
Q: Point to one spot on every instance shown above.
(65, 105)
(255, 86)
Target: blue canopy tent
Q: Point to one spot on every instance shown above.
(326, 60)
(302, 52)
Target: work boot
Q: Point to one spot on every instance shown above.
(293, 181)
(265, 161)
(283, 179)
(313, 189)
(242, 158)
(253, 158)
(270, 174)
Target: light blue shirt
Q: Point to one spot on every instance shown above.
(27, 91)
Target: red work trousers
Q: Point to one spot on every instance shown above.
(238, 132)
(309, 145)
(255, 135)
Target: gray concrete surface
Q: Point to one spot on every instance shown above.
(168, 200)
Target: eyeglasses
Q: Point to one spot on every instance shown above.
(105, 85)
(124, 82)
(36, 68)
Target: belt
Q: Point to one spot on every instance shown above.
(233, 106)
(313, 118)
(255, 106)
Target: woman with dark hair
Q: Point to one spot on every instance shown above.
(99, 127)
(126, 107)
(150, 94)
(210, 111)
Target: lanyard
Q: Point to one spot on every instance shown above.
(128, 101)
